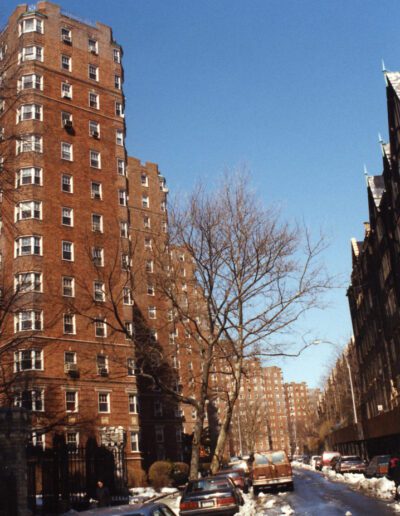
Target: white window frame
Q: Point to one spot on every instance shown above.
(74, 402)
(93, 48)
(133, 403)
(93, 72)
(35, 358)
(96, 194)
(117, 55)
(31, 281)
(29, 143)
(94, 98)
(71, 183)
(123, 229)
(31, 53)
(119, 109)
(104, 398)
(134, 441)
(94, 129)
(117, 82)
(66, 90)
(70, 244)
(37, 26)
(37, 395)
(30, 81)
(67, 151)
(35, 244)
(25, 210)
(98, 256)
(100, 328)
(65, 288)
(97, 225)
(66, 63)
(66, 35)
(122, 197)
(67, 216)
(119, 137)
(28, 320)
(95, 159)
(69, 324)
(127, 297)
(152, 312)
(144, 179)
(30, 112)
(121, 167)
(145, 201)
(99, 292)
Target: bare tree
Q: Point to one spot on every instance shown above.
(257, 276)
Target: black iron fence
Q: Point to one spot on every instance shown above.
(62, 477)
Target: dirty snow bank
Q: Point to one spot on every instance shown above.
(382, 488)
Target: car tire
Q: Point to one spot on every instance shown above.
(255, 490)
(290, 487)
(246, 489)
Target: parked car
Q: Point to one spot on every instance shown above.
(270, 470)
(333, 462)
(350, 464)
(314, 459)
(211, 495)
(394, 474)
(318, 464)
(239, 464)
(238, 476)
(327, 457)
(378, 466)
(139, 509)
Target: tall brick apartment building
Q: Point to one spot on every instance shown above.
(79, 223)
(299, 417)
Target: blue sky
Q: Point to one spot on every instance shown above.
(292, 89)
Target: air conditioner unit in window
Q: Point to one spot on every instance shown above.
(68, 124)
(95, 134)
(67, 96)
(70, 366)
(103, 371)
(67, 39)
(93, 51)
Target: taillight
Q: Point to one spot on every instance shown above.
(188, 505)
(229, 500)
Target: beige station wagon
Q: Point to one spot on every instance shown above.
(271, 469)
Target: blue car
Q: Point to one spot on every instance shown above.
(137, 509)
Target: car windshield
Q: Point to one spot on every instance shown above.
(277, 458)
(352, 458)
(233, 474)
(260, 459)
(209, 484)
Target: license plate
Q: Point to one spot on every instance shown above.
(209, 503)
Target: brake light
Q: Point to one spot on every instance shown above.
(229, 500)
(183, 506)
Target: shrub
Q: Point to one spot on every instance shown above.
(180, 473)
(160, 474)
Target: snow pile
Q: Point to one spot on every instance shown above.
(301, 465)
(269, 504)
(396, 507)
(141, 494)
(173, 504)
(169, 490)
(286, 509)
(250, 506)
(379, 487)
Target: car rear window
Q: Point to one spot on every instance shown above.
(277, 458)
(261, 459)
(353, 458)
(208, 485)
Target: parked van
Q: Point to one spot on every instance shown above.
(271, 469)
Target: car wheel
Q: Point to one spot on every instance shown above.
(255, 490)
(290, 487)
(246, 489)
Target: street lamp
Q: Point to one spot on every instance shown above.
(353, 399)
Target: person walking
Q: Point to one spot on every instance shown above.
(102, 495)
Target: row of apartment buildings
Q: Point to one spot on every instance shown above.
(84, 229)
(365, 418)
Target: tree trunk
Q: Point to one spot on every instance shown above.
(194, 459)
(222, 437)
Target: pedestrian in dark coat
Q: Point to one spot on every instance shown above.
(102, 495)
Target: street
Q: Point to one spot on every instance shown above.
(315, 495)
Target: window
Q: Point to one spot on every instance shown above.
(27, 245)
(121, 167)
(133, 403)
(66, 120)
(94, 100)
(159, 431)
(99, 293)
(32, 53)
(67, 183)
(148, 245)
(119, 109)
(37, 439)
(97, 222)
(66, 63)
(28, 359)
(29, 143)
(71, 401)
(29, 176)
(28, 320)
(66, 90)
(128, 335)
(28, 282)
(92, 46)
(95, 159)
(117, 82)
(131, 366)
(164, 227)
(93, 72)
(31, 81)
(67, 216)
(66, 35)
(30, 400)
(163, 206)
(145, 201)
(69, 357)
(144, 179)
(134, 438)
(123, 229)
(149, 266)
(150, 290)
(69, 324)
(158, 408)
(125, 261)
(72, 440)
(119, 137)
(28, 210)
(94, 129)
(68, 286)
(100, 328)
(102, 364)
(67, 251)
(152, 312)
(127, 296)
(29, 112)
(117, 55)
(104, 402)
(98, 256)
(122, 197)
(146, 222)
(95, 190)
(31, 25)
(66, 151)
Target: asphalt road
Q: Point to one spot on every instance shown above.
(315, 495)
